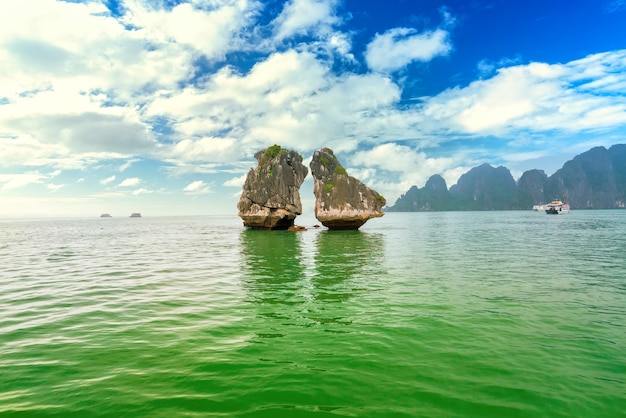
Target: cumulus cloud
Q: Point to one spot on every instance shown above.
(290, 98)
(130, 182)
(408, 165)
(80, 85)
(301, 16)
(207, 149)
(236, 181)
(398, 47)
(86, 132)
(75, 77)
(212, 29)
(78, 47)
(577, 96)
(197, 187)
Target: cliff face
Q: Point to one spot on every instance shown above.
(341, 201)
(593, 179)
(531, 189)
(434, 196)
(588, 181)
(485, 188)
(270, 198)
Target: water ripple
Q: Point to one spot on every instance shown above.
(429, 315)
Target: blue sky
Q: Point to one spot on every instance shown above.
(158, 106)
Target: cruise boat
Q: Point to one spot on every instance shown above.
(135, 215)
(556, 207)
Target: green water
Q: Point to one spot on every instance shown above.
(471, 314)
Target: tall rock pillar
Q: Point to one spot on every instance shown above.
(341, 201)
(270, 198)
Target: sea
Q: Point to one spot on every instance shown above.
(440, 314)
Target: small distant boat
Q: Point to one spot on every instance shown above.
(556, 207)
(539, 208)
(135, 215)
(106, 215)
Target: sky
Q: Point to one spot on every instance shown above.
(158, 106)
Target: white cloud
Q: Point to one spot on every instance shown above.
(207, 149)
(73, 78)
(577, 96)
(406, 166)
(301, 16)
(341, 43)
(236, 181)
(290, 98)
(398, 47)
(140, 191)
(130, 182)
(197, 187)
(107, 180)
(127, 164)
(212, 30)
(80, 86)
(55, 45)
(55, 187)
(16, 181)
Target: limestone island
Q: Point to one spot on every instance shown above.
(341, 201)
(270, 199)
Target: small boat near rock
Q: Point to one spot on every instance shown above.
(556, 207)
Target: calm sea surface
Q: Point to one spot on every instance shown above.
(454, 314)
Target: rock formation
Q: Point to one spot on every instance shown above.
(531, 189)
(270, 198)
(485, 188)
(434, 196)
(341, 201)
(594, 179)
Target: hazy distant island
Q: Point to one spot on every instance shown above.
(595, 179)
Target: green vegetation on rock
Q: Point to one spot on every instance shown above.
(272, 152)
(339, 170)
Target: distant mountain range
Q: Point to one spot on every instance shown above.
(595, 179)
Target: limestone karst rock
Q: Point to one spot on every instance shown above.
(270, 198)
(341, 201)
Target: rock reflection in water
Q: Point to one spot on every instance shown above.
(344, 260)
(308, 279)
(273, 263)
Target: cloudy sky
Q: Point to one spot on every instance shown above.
(158, 106)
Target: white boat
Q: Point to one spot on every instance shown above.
(539, 208)
(556, 207)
